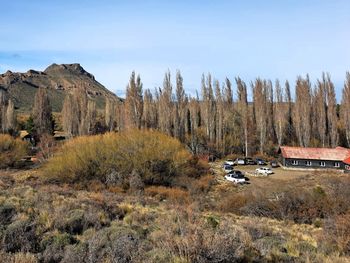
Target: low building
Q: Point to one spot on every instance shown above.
(60, 136)
(25, 136)
(315, 158)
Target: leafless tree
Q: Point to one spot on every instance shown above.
(110, 114)
(10, 116)
(81, 100)
(78, 113)
(270, 133)
(302, 111)
(70, 119)
(228, 119)
(320, 110)
(243, 111)
(280, 114)
(332, 112)
(345, 107)
(165, 105)
(90, 116)
(7, 114)
(42, 113)
(288, 98)
(120, 116)
(219, 115)
(134, 102)
(180, 108)
(208, 109)
(195, 123)
(149, 111)
(3, 111)
(260, 97)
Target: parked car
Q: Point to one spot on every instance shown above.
(236, 177)
(230, 162)
(228, 168)
(250, 161)
(264, 171)
(274, 164)
(260, 161)
(241, 161)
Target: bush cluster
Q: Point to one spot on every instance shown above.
(60, 223)
(112, 158)
(11, 150)
(299, 205)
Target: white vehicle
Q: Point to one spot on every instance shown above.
(240, 161)
(235, 177)
(230, 162)
(264, 171)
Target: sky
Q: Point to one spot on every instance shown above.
(110, 39)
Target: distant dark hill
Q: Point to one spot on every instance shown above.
(58, 79)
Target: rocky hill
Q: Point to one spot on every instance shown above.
(58, 79)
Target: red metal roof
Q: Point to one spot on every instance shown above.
(347, 160)
(332, 154)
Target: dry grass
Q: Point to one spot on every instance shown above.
(174, 195)
(304, 218)
(11, 150)
(94, 222)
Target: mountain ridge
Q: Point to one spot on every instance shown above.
(59, 79)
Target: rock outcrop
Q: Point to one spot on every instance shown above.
(58, 79)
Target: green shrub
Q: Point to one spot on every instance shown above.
(113, 244)
(73, 223)
(20, 236)
(11, 150)
(7, 211)
(53, 246)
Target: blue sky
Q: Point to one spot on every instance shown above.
(268, 39)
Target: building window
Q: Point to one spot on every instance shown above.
(294, 162)
(308, 163)
(336, 164)
(323, 164)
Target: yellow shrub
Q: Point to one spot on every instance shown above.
(112, 157)
(11, 150)
(203, 184)
(175, 195)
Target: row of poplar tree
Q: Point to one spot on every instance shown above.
(222, 119)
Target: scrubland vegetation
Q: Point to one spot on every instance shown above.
(11, 150)
(139, 196)
(125, 159)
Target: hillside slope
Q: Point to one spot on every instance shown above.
(58, 79)
(62, 223)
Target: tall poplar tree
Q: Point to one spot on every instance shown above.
(42, 113)
(345, 107)
(243, 111)
(332, 113)
(181, 108)
(280, 114)
(134, 102)
(302, 111)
